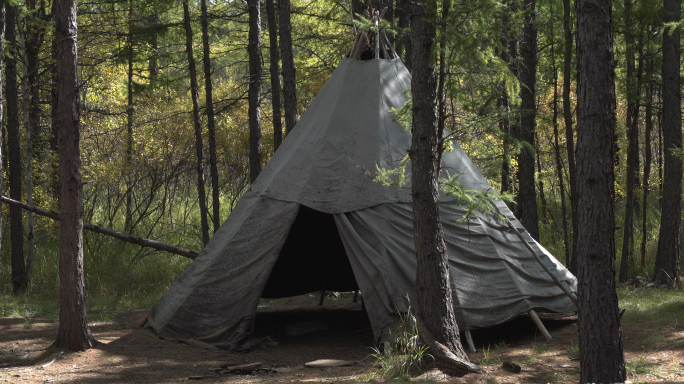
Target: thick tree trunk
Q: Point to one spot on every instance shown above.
(669, 242)
(19, 278)
(600, 333)
(527, 197)
(254, 94)
(73, 332)
(2, 110)
(647, 170)
(199, 150)
(569, 137)
(287, 56)
(211, 125)
(434, 304)
(275, 75)
(632, 136)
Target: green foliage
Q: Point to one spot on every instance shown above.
(475, 201)
(402, 355)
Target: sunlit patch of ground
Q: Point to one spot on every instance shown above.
(653, 338)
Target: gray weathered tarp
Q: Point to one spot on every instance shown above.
(324, 171)
(493, 276)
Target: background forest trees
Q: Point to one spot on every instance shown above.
(153, 139)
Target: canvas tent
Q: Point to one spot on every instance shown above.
(315, 219)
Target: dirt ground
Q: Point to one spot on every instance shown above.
(128, 354)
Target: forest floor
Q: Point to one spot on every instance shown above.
(125, 353)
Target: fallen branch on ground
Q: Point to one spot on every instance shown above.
(109, 232)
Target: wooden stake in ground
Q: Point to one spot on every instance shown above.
(73, 332)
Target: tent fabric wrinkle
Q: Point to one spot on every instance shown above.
(316, 220)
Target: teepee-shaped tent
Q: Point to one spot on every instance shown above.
(315, 219)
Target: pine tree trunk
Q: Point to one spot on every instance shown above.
(540, 183)
(199, 150)
(527, 197)
(403, 43)
(2, 118)
(559, 169)
(669, 242)
(647, 170)
(569, 137)
(504, 103)
(128, 223)
(28, 127)
(73, 332)
(275, 75)
(632, 136)
(254, 94)
(211, 125)
(287, 56)
(600, 333)
(434, 304)
(19, 280)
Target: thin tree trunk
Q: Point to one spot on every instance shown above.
(559, 168)
(28, 127)
(254, 49)
(287, 56)
(2, 117)
(647, 170)
(55, 184)
(199, 150)
(435, 315)
(211, 126)
(632, 135)
(600, 333)
(403, 42)
(527, 197)
(669, 242)
(540, 182)
(505, 105)
(129, 124)
(19, 279)
(569, 137)
(275, 75)
(73, 332)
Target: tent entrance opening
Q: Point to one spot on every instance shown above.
(313, 259)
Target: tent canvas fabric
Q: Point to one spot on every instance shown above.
(315, 219)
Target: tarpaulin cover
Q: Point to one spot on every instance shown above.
(327, 164)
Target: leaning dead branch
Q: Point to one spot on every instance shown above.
(109, 232)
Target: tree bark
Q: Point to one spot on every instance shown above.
(254, 92)
(28, 127)
(434, 304)
(211, 125)
(527, 197)
(128, 223)
(647, 170)
(73, 332)
(559, 169)
(199, 150)
(669, 242)
(275, 75)
(2, 112)
(403, 43)
(504, 103)
(19, 278)
(109, 232)
(287, 56)
(600, 333)
(632, 137)
(569, 137)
